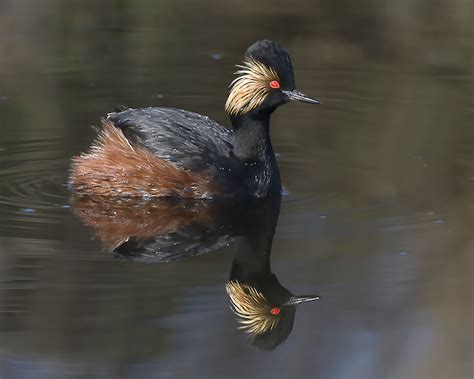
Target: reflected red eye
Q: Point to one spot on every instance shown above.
(274, 84)
(275, 311)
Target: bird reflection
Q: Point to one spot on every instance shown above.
(264, 308)
(156, 231)
(172, 230)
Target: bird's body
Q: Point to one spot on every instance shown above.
(198, 144)
(167, 152)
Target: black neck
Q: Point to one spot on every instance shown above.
(256, 221)
(252, 137)
(253, 147)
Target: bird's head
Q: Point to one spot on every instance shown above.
(265, 81)
(268, 324)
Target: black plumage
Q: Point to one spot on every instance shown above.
(273, 55)
(187, 139)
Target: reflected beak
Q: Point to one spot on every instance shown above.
(295, 300)
(298, 96)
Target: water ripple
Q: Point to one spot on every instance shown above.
(32, 178)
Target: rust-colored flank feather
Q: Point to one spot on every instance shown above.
(116, 167)
(116, 221)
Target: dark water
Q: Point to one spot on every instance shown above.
(378, 219)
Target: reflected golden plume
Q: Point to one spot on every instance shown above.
(256, 314)
(250, 88)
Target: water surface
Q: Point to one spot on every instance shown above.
(377, 220)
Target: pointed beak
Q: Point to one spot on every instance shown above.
(295, 300)
(298, 96)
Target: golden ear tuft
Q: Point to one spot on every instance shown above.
(256, 314)
(250, 88)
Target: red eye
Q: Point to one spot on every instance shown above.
(274, 84)
(275, 311)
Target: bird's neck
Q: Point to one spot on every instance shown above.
(252, 137)
(258, 222)
(253, 147)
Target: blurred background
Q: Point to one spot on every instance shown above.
(378, 217)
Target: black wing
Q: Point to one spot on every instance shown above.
(185, 138)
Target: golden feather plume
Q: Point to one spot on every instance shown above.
(250, 88)
(252, 308)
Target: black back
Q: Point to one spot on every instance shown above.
(187, 139)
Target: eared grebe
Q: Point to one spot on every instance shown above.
(166, 152)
